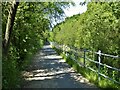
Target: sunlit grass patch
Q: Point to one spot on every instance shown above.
(93, 77)
(105, 83)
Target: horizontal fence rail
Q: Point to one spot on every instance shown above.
(75, 51)
(107, 55)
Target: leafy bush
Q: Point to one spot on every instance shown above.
(96, 29)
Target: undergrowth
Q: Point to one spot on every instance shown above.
(12, 68)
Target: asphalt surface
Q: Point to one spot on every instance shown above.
(49, 70)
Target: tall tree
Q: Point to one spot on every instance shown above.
(9, 26)
(31, 23)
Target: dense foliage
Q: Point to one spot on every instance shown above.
(96, 29)
(30, 31)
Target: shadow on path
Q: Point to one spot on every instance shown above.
(49, 70)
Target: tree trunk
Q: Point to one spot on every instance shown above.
(9, 26)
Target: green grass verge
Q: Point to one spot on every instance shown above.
(103, 84)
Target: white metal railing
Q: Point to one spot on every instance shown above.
(85, 58)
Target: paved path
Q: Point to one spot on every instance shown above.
(49, 70)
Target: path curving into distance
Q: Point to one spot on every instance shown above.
(49, 70)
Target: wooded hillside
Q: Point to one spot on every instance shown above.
(96, 29)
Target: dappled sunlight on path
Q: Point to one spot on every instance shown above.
(49, 70)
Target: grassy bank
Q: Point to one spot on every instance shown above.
(103, 84)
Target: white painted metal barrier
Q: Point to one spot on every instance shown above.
(85, 58)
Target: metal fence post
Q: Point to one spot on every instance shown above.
(99, 53)
(84, 57)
